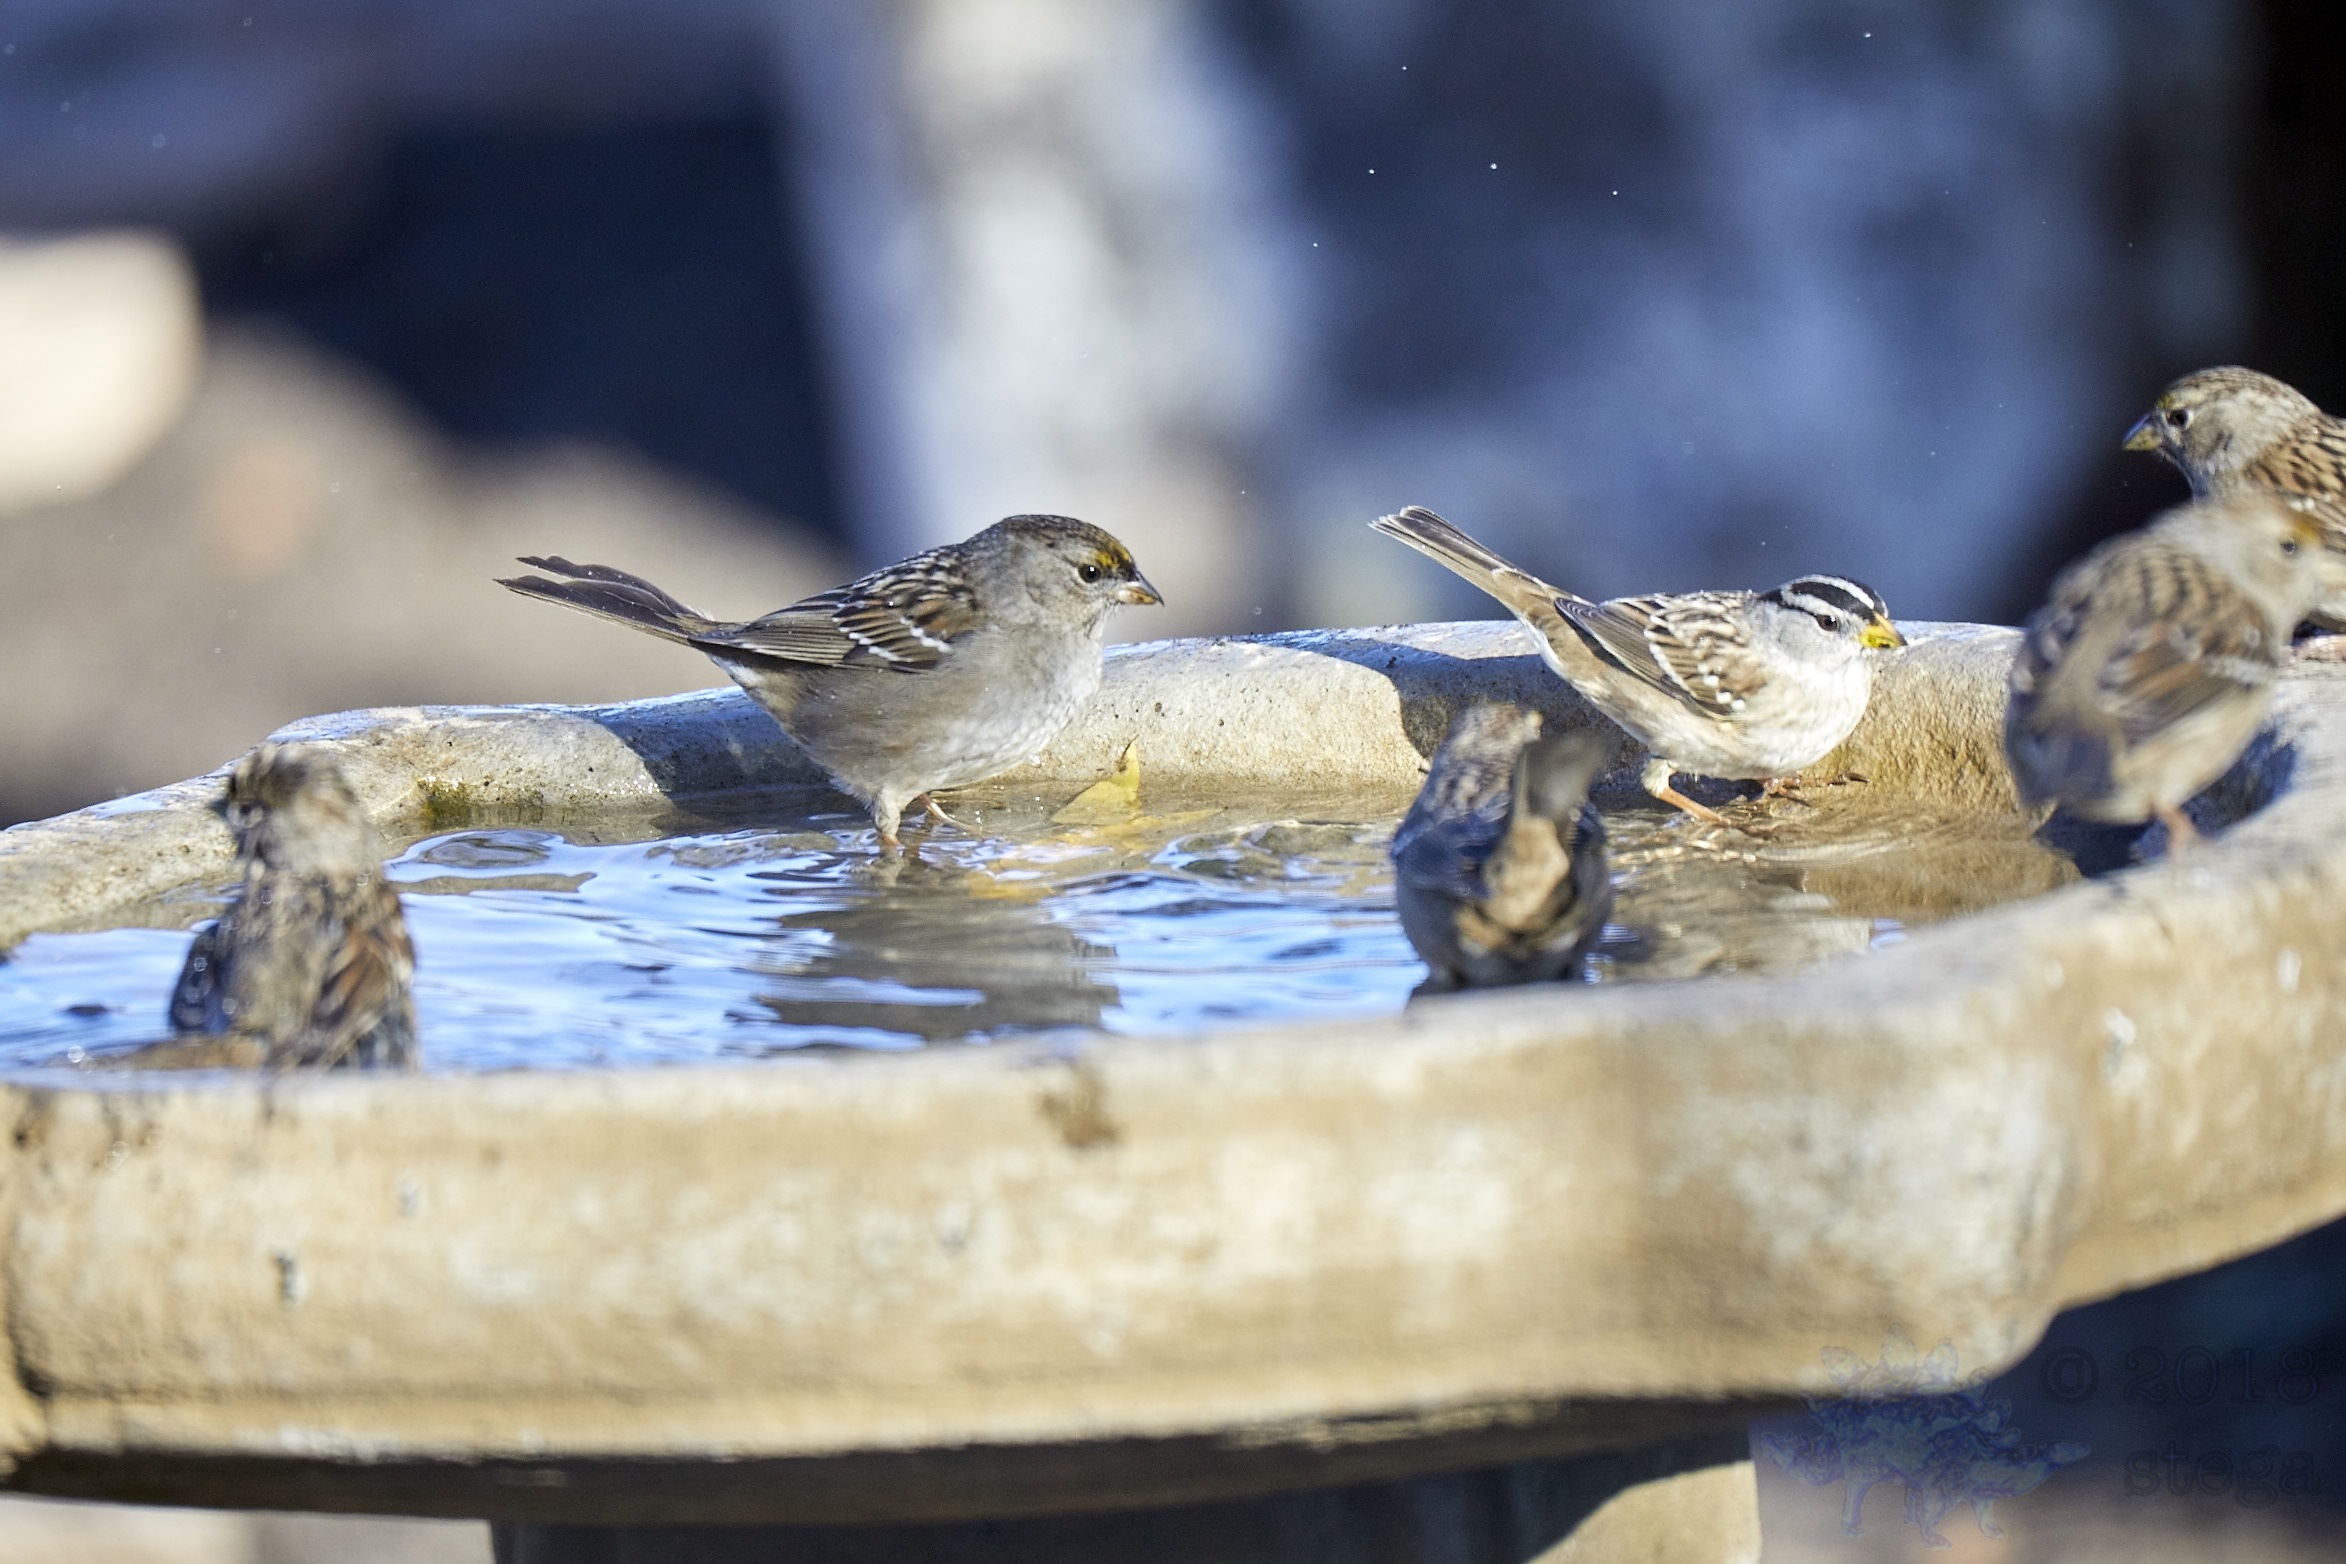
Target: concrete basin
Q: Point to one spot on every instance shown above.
(1096, 1274)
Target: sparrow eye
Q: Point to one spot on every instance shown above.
(1089, 572)
(2288, 545)
(2178, 418)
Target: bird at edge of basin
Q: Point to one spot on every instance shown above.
(1499, 867)
(937, 672)
(2152, 664)
(310, 964)
(1746, 685)
(2235, 431)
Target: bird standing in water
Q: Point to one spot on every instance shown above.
(2234, 431)
(310, 964)
(937, 672)
(1754, 685)
(1499, 867)
(2151, 667)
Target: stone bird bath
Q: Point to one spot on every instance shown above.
(1564, 1242)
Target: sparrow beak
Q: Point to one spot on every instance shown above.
(1139, 593)
(2145, 435)
(1880, 634)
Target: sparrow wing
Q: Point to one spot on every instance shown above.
(1694, 646)
(2143, 643)
(1441, 843)
(2159, 674)
(366, 980)
(195, 999)
(906, 616)
(2307, 466)
(1444, 854)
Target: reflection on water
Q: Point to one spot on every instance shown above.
(677, 940)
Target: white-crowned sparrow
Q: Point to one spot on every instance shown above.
(937, 672)
(1499, 867)
(310, 963)
(2147, 672)
(1751, 685)
(2235, 431)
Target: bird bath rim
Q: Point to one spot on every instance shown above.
(1086, 1271)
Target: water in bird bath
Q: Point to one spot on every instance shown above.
(772, 928)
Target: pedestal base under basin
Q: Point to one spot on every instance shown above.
(1693, 1502)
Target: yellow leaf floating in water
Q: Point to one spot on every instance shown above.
(1103, 819)
(1114, 798)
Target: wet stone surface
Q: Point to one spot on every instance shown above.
(774, 928)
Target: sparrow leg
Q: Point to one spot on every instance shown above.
(887, 814)
(2181, 833)
(937, 813)
(1656, 779)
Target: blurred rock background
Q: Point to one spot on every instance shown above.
(315, 312)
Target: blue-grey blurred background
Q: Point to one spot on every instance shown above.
(313, 314)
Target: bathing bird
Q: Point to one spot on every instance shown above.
(2151, 666)
(310, 964)
(2235, 431)
(1752, 685)
(1499, 867)
(933, 673)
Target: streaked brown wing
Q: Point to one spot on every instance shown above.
(2047, 638)
(2309, 462)
(1692, 645)
(367, 975)
(802, 633)
(2158, 636)
(2162, 673)
(906, 616)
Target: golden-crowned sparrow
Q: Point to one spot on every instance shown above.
(2235, 431)
(1753, 685)
(938, 672)
(1499, 867)
(310, 963)
(2147, 672)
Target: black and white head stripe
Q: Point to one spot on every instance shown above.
(1835, 602)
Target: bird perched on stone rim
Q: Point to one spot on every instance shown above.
(1750, 685)
(937, 672)
(1499, 867)
(2151, 667)
(310, 964)
(2236, 431)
